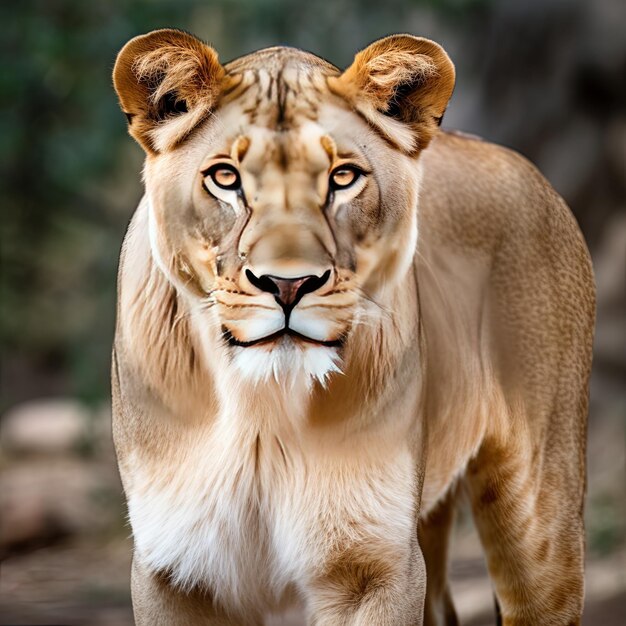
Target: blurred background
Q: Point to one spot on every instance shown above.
(545, 77)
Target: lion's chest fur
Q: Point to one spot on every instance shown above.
(250, 516)
(201, 517)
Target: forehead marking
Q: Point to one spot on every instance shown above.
(329, 146)
(278, 96)
(240, 148)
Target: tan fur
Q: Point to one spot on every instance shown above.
(412, 73)
(461, 325)
(163, 63)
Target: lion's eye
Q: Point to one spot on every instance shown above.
(225, 176)
(343, 177)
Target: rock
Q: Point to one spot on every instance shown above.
(45, 426)
(45, 499)
(50, 488)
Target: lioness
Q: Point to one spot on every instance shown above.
(331, 315)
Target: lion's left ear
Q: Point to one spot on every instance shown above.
(402, 85)
(167, 82)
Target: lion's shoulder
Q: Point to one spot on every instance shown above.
(480, 194)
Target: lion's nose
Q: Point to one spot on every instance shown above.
(288, 291)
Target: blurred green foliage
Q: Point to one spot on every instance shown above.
(71, 176)
(606, 526)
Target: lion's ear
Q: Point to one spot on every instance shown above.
(400, 83)
(167, 81)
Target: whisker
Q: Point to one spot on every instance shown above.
(433, 274)
(246, 306)
(237, 292)
(326, 306)
(373, 301)
(366, 323)
(334, 292)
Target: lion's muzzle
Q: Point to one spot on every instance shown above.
(287, 293)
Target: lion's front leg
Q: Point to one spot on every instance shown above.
(157, 603)
(349, 539)
(363, 585)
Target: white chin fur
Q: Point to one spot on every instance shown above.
(311, 325)
(289, 363)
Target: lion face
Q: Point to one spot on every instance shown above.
(282, 194)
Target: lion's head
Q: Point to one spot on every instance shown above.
(282, 192)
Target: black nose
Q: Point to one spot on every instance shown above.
(288, 291)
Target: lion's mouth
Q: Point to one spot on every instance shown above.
(285, 332)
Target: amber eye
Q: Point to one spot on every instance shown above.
(344, 176)
(224, 175)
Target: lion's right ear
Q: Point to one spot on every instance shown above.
(167, 82)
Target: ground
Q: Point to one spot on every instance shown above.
(66, 548)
